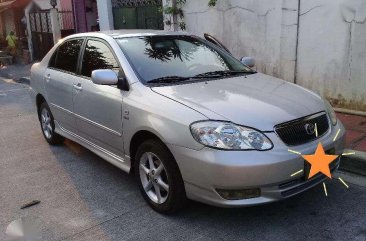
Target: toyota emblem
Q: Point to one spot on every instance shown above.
(310, 128)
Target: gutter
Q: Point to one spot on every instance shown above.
(354, 163)
(351, 112)
(297, 40)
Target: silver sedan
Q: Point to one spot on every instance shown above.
(182, 113)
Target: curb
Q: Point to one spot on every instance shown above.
(354, 163)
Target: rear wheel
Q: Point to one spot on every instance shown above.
(48, 125)
(159, 177)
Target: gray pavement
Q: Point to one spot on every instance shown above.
(15, 71)
(85, 198)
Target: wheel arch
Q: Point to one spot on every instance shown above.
(137, 139)
(39, 100)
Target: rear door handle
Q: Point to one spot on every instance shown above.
(78, 86)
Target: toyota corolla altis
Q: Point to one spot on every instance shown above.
(186, 116)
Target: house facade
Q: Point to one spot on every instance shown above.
(78, 16)
(86, 19)
(39, 26)
(12, 17)
(93, 15)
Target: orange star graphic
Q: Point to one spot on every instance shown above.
(319, 161)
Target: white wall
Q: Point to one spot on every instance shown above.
(246, 27)
(331, 56)
(332, 50)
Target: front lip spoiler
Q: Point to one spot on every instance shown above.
(309, 183)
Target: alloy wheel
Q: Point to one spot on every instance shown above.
(46, 123)
(154, 178)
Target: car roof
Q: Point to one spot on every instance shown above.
(128, 33)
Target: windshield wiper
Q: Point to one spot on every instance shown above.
(221, 73)
(169, 79)
(212, 74)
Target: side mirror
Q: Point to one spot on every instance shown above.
(123, 84)
(104, 77)
(248, 61)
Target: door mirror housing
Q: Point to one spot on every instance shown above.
(104, 77)
(248, 61)
(123, 84)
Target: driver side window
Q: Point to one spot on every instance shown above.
(97, 55)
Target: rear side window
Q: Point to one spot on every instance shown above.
(66, 56)
(97, 55)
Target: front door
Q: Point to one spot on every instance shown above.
(98, 108)
(59, 78)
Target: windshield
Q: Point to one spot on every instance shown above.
(177, 57)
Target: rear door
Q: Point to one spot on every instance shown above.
(98, 108)
(59, 78)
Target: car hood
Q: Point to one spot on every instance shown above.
(257, 100)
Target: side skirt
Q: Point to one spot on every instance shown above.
(122, 163)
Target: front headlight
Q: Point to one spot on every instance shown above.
(228, 136)
(331, 112)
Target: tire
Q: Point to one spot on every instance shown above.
(48, 125)
(173, 197)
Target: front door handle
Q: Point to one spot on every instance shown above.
(78, 86)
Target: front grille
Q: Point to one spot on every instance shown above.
(295, 132)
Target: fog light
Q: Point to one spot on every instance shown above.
(239, 194)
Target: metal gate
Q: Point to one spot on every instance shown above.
(137, 14)
(67, 24)
(42, 37)
(41, 30)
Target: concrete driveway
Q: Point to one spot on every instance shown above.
(85, 198)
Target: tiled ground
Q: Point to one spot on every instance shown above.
(356, 131)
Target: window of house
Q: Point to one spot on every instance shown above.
(97, 55)
(66, 56)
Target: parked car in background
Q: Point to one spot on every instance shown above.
(182, 113)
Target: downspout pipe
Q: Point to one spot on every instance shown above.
(297, 39)
(340, 110)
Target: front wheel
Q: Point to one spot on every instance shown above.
(48, 125)
(159, 177)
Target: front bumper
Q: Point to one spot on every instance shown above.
(206, 170)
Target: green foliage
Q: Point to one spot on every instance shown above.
(212, 3)
(182, 25)
(181, 2)
(171, 11)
